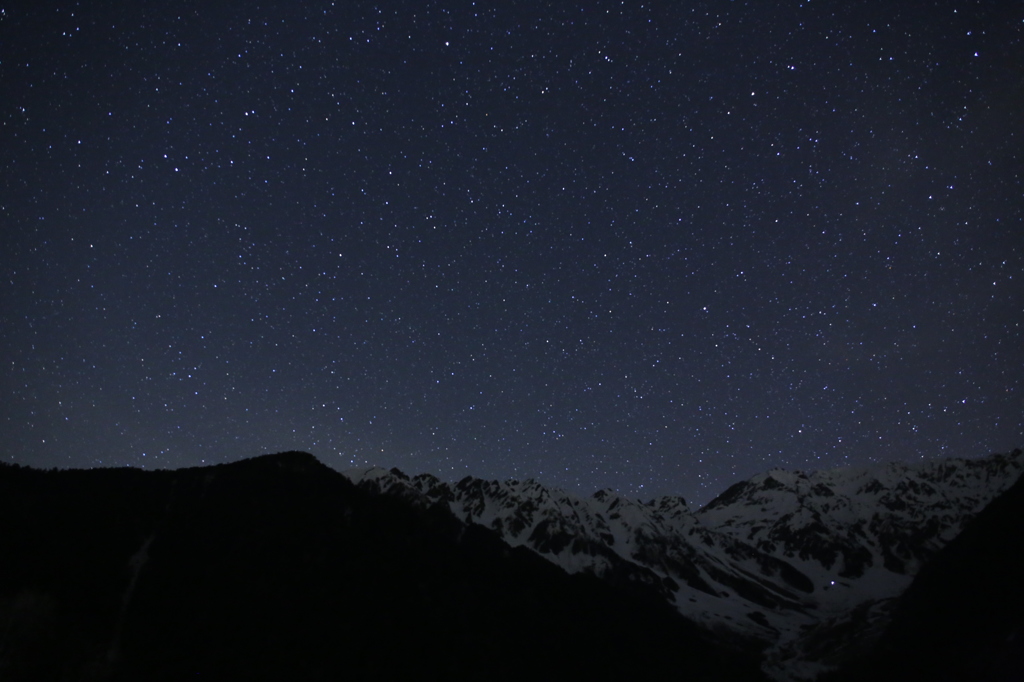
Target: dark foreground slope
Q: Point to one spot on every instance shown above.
(962, 619)
(278, 568)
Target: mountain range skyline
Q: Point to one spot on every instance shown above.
(278, 563)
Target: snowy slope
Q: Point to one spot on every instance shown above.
(846, 525)
(860, 534)
(786, 558)
(710, 576)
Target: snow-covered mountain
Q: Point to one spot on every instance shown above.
(861, 535)
(789, 559)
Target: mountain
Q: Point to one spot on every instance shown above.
(804, 565)
(278, 567)
(861, 535)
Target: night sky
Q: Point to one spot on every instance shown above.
(654, 247)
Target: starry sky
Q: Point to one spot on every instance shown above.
(658, 247)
